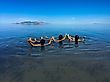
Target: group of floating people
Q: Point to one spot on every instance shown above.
(42, 42)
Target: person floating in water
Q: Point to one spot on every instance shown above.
(76, 39)
(60, 40)
(42, 41)
(39, 43)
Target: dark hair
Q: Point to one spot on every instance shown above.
(60, 37)
(42, 41)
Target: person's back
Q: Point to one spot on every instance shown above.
(76, 39)
(60, 42)
(42, 41)
(60, 37)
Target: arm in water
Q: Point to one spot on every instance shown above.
(59, 40)
(31, 42)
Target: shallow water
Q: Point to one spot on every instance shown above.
(13, 38)
(89, 62)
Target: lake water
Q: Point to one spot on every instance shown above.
(13, 38)
(89, 62)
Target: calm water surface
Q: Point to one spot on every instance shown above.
(90, 62)
(13, 38)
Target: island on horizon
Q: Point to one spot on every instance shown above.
(31, 22)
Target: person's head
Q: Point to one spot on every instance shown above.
(60, 37)
(76, 36)
(42, 41)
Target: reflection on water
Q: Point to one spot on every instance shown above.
(85, 62)
(14, 38)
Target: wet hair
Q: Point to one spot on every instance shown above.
(60, 37)
(42, 41)
(76, 39)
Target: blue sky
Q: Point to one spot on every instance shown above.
(55, 10)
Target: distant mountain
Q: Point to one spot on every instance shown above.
(31, 23)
